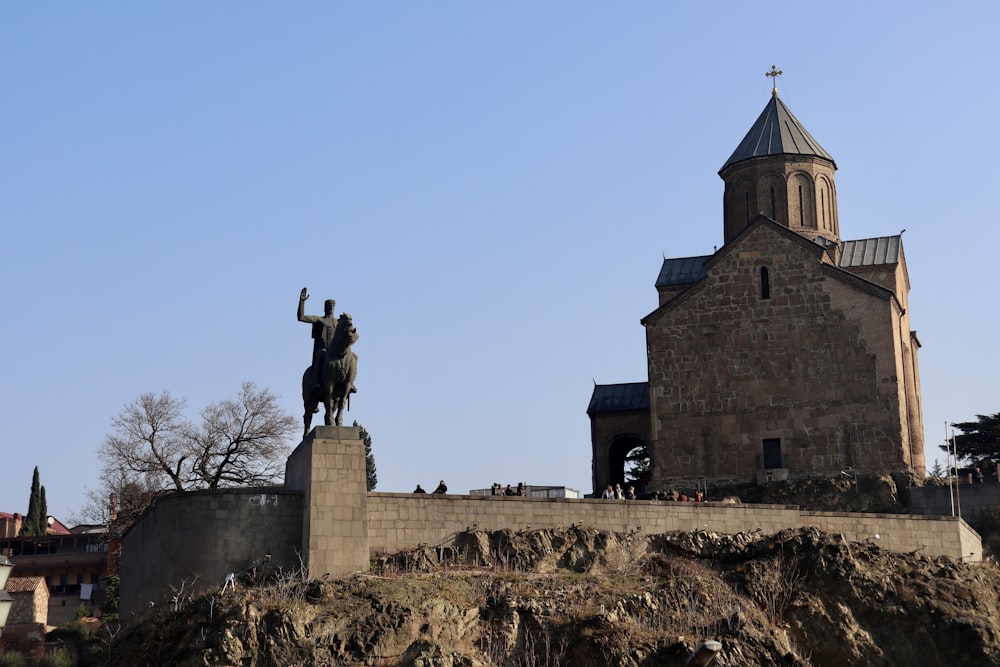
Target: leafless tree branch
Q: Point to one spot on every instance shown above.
(153, 448)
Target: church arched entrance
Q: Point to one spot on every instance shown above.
(629, 462)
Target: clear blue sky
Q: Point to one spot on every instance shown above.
(488, 188)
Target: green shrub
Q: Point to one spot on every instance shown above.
(57, 657)
(12, 659)
(81, 611)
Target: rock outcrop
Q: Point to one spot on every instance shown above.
(579, 597)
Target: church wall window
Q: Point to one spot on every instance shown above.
(804, 205)
(765, 283)
(771, 451)
(822, 203)
(774, 205)
(746, 198)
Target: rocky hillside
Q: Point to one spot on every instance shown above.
(577, 597)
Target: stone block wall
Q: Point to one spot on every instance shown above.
(815, 365)
(196, 538)
(931, 535)
(31, 600)
(328, 467)
(404, 521)
(975, 500)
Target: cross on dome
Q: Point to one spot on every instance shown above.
(775, 72)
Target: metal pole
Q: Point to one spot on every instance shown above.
(958, 493)
(951, 490)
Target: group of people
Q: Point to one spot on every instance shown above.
(497, 490)
(442, 488)
(616, 493)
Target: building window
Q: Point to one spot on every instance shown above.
(765, 283)
(802, 209)
(774, 205)
(746, 199)
(772, 453)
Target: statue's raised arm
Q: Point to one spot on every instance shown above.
(303, 296)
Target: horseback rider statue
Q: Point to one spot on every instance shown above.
(330, 377)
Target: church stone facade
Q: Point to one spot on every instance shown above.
(786, 353)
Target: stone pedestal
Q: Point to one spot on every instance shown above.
(329, 468)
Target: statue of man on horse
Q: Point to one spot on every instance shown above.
(330, 378)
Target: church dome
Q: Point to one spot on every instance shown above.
(781, 172)
(776, 132)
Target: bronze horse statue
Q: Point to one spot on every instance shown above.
(337, 371)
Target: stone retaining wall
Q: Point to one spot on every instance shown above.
(193, 540)
(399, 521)
(975, 500)
(325, 519)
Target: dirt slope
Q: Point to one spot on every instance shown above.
(579, 597)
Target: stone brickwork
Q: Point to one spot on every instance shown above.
(805, 197)
(814, 365)
(404, 521)
(974, 500)
(196, 538)
(31, 601)
(329, 468)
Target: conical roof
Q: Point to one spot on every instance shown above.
(776, 132)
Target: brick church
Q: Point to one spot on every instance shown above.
(785, 353)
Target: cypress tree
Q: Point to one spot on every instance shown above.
(43, 525)
(371, 477)
(34, 523)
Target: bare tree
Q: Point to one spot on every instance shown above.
(148, 443)
(153, 448)
(241, 441)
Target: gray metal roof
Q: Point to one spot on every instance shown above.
(619, 397)
(682, 271)
(861, 252)
(869, 252)
(776, 132)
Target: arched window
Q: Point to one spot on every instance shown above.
(765, 283)
(774, 205)
(802, 209)
(746, 199)
(803, 200)
(823, 204)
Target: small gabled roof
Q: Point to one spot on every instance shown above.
(24, 584)
(870, 252)
(776, 132)
(682, 271)
(56, 527)
(619, 397)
